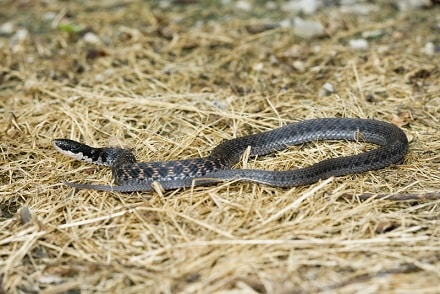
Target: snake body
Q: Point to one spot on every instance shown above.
(130, 175)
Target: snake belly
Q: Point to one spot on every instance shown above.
(130, 175)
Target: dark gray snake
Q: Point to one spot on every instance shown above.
(130, 175)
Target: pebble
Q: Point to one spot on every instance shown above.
(359, 9)
(302, 6)
(91, 38)
(307, 29)
(258, 66)
(429, 48)
(271, 5)
(25, 215)
(243, 5)
(359, 44)
(299, 66)
(413, 4)
(7, 28)
(48, 16)
(326, 90)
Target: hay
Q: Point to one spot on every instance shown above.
(172, 83)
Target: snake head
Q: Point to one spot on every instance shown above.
(63, 145)
(79, 151)
(98, 156)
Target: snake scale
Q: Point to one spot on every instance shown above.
(130, 175)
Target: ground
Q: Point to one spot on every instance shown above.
(171, 80)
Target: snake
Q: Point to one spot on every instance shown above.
(129, 175)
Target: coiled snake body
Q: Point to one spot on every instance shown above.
(130, 175)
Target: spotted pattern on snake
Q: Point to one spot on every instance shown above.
(130, 175)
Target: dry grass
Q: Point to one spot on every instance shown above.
(174, 90)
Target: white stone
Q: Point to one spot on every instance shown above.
(91, 38)
(307, 28)
(429, 48)
(359, 44)
(243, 5)
(7, 28)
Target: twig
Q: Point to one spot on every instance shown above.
(397, 197)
